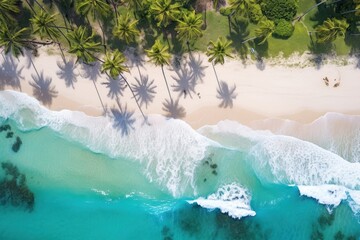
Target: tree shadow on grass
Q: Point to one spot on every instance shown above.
(10, 73)
(67, 72)
(172, 109)
(226, 95)
(123, 119)
(42, 89)
(239, 33)
(115, 87)
(144, 90)
(184, 82)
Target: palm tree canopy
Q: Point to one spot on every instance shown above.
(114, 64)
(95, 7)
(83, 45)
(159, 54)
(217, 51)
(240, 6)
(265, 29)
(126, 28)
(330, 29)
(7, 7)
(13, 40)
(164, 11)
(44, 24)
(189, 28)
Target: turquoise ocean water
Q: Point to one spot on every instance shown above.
(79, 177)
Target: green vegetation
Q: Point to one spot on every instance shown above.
(283, 29)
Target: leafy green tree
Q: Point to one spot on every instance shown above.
(164, 11)
(96, 8)
(7, 8)
(114, 65)
(126, 28)
(82, 44)
(264, 31)
(159, 55)
(43, 24)
(331, 29)
(217, 51)
(279, 9)
(189, 28)
(283, 29)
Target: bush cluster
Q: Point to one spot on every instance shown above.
(283, 29)
(279, 9)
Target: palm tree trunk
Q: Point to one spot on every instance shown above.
(167, 86)
(217, 79)
(311, 8)
(249, 39)
(103, 35)
(137, 102)
(351, 11)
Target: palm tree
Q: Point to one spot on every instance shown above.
(97, 9)
(241, 6)
(159, 55)
(43, 24)
(330, 29)
(217, 51)
(7, 7)
(356, 10)
(164, 11)
(189, 28)
(14, 40)
(126, 28)
(82, 44)
(265, 29)
(114, 65)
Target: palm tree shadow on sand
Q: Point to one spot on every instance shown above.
(172, 109)
(91, 72)
(123, 120)
(184, 82)
(10, 73)
(115, 87)
(144, 90)
(226, 95)
(42, 89)
(197, 68)
(67, 72)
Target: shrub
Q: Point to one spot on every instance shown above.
(279, 9)
(283, 29)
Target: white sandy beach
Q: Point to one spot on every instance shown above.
(274, 91)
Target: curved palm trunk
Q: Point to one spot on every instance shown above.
(217, 79)
(132, 92)
(167, 86)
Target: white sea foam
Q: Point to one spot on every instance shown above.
(231, 199)
(332, 195)
(168, 150)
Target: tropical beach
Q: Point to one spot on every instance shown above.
(179, 119)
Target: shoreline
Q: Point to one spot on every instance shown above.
(250, 93)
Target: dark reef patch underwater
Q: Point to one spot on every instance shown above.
(65, 175)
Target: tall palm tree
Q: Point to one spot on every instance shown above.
(7, 7)
(82, 44)
(96, 8)
(264, 31)
(14, 40)
(189, 28)
(165, 11)
(217, 51)
(330, 29)
(43, 24)
(241, 6)
(114, 65)
(159, 55)
(126, 28)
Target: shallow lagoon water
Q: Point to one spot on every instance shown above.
(167, 181)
